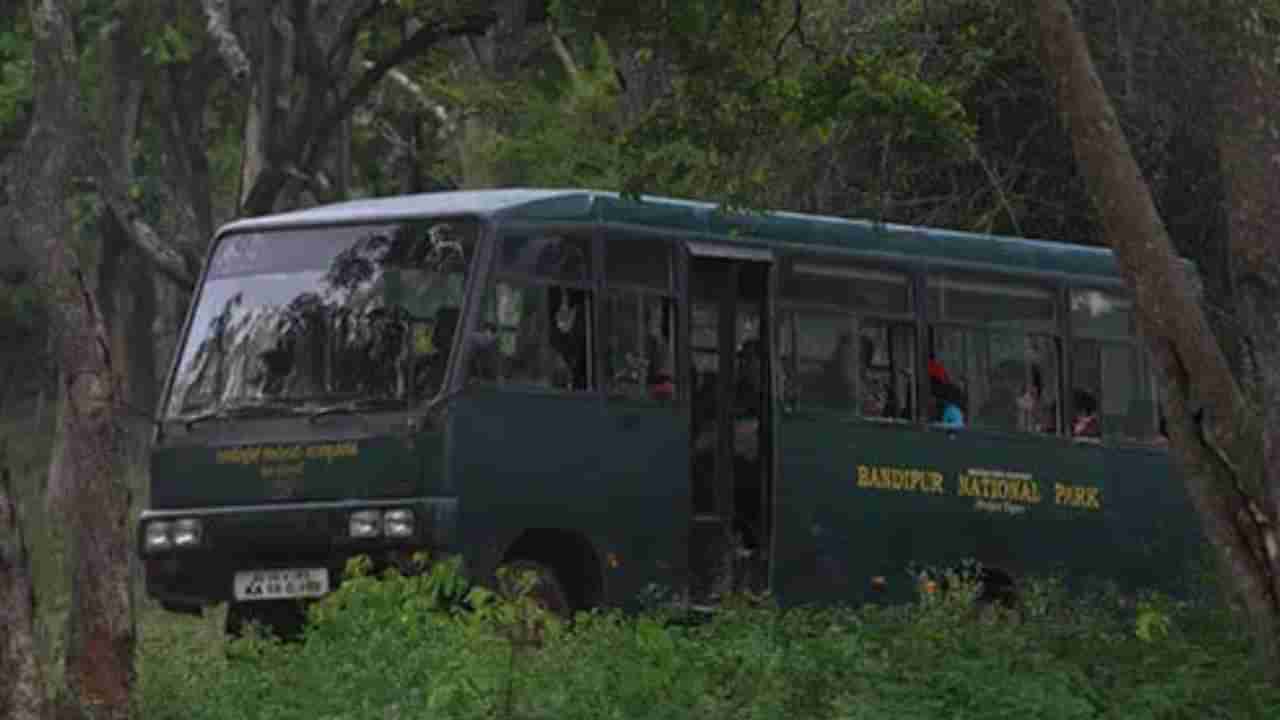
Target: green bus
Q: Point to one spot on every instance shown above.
(625, 394)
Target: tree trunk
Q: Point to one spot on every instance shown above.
(272, 51)
(1215, 433)
(127, 297)
(1249, 156)
(22, 690)
(100, 633)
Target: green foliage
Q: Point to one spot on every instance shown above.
(169, 46)
(16, 72)
(408, 646)
(23, 313)
(565, 134)
(759, 94)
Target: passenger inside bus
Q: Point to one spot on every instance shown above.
(659, 359)
(836, 381)
(1038, 413)
(1000, 410)
(748, 398)
(949, 399)
(1086, 423)
(568, 333)
(879, 396)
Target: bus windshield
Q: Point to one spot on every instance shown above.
(303, 318)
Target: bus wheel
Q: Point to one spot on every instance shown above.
(546, 589)
(997, 589)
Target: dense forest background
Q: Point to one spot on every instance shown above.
(131, 129)
(911, 111)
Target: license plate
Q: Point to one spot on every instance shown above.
(275, 584)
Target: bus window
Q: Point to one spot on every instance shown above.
(825, 360)
(321, 315)
(828, 283)
(1110, 386)
(639, 347)
(552, 257)
(995, 354)
(535, 323)
(886, 363)
(638, 262)
(639, 318)
(848, 342)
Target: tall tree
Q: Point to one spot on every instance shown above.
(1226, 438)
(100, 635)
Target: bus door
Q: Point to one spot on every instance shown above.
(731, 418)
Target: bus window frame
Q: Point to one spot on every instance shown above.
(671, 294)
(501, 229)
(786, 307)
(1055, 287)
(1145, 368)
(458, 354)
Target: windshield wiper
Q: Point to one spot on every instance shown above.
(240, 411)
(355, 407)
(359, 407)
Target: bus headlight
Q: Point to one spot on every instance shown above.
(157, 537)
(398, 523)
(187, 533)
(364, 524)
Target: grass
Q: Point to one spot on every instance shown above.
(387, 649)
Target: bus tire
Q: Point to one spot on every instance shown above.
(547, 589)
(997, 589)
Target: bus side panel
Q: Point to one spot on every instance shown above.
(618, 477)
(833, 536)
(858, 503)
(1152, 520)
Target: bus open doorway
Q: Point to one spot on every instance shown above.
(731, 418)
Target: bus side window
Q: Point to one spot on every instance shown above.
(639, 347)
(1110, 387)
(639, 318)
(848, 340)
(536, 321)
(995, 353)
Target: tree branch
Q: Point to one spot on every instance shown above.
(565, 57)
(417, 43)
(350, 23)
(310, 135)
(175, 265)
(219, 26)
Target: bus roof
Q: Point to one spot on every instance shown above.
(794, 230)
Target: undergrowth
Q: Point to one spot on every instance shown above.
(425, 646)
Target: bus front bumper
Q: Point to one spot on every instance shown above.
(200, 556)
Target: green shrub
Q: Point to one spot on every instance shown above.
(427, 646)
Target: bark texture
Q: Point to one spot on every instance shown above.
(22, 688)
(100, 635)
(1216, 432)
(1249, 152)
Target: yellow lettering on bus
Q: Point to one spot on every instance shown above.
(989, 485)
(238, 456)
(270, 454)
(1084, 497)
(899, 479)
